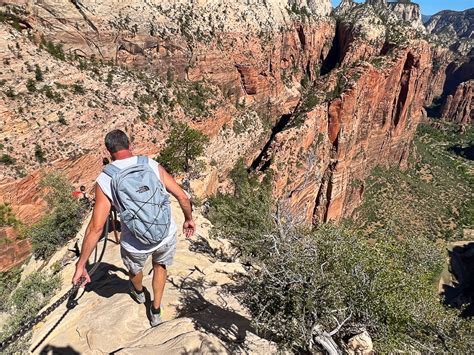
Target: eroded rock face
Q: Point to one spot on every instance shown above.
(322, 156)
(453, 62)
(14, 250)
(458, 106)
(454, 28)
(369, 80)
(409, 12)
(255, 79)
(320, 165)
(442, 57)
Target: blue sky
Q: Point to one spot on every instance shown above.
(430, 7)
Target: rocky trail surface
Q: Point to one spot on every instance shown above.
(201, 315)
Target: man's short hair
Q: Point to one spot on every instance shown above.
(116, 140)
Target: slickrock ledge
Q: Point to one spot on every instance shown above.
(201, 314)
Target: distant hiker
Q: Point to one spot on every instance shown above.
(138, 187)
(84, 193)
(76, 194)
(83, 197)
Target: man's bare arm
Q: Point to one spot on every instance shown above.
(173, 188)
(93, 232)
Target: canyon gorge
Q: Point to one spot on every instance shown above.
(316, 96)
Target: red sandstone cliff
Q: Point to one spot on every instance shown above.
(458, 106)
(368, 75)
(453, 64)
(322, 158)
(12, 250)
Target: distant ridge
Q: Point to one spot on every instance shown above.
(425, 18)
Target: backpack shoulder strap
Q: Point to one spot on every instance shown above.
(111, 170)
(142, 160)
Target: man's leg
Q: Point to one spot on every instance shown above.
(137, 280)
(134, 263)
(159, 281)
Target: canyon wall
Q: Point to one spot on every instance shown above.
(409, 12)
(453, 68)
(13, 251)
(321, 159)
(458, 106)
(320, 100)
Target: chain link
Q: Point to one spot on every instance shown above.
(28, 325)
(25, 327)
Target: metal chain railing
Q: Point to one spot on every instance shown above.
(28, 325)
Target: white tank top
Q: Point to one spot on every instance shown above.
(127, 240)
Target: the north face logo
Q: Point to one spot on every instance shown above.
(143, 189)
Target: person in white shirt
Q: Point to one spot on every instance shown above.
(134, 253)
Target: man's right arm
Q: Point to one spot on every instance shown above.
(173, 188)
(93, 232)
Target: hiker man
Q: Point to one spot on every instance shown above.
(138, 187)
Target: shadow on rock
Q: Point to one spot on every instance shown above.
(105, 281)
(53, 350)
(461, 293)
(466, 152)
(227, 325)
(202, 246)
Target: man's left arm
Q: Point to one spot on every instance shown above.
(93, 232)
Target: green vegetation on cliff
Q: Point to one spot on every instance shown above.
(7, 217)
(24, 302)
(183, 146)
(63, 218)
(432, 198)
(308, 288)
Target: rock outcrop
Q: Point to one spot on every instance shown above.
(13, 251)
(459, 105)
(322, 157)
(453, 64)
(201, 314)
(455, 28)
(357, 80)
(409, 12)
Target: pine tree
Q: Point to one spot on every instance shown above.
(183, 146)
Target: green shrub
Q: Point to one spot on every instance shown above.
(56, 50)
(63, 220)
(78, 89)
(183, 146)
(110, 78)
(7, 217)
(308, 282)
(305, 283)
(11, 19)
(10, 93)
(194, 99)
(26, 301)
(31, 85)
(8, 282)
(62, 119)
(50, 94)
(38, 73)
(39, 154)
(243, 216)
(7, 160)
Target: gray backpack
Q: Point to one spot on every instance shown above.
(141, 199)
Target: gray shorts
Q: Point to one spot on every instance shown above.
(164, 255)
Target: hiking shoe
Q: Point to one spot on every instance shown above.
(155, 319)
(137, 296)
